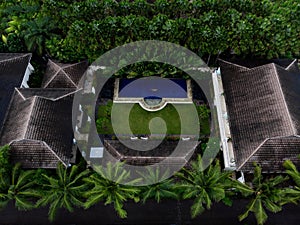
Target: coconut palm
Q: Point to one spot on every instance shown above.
(293, 193)
(161, 187)
(264, 194)
(204, 186)
(108, 187)
(64, 190)
(17, 186)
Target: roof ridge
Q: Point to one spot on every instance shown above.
(256, 150)
(255, 67)
(69, 77)
(277, 137)
(30, 116)
(234, 64)
(21, 56)
(286, 106)
(44, 143)
(73, 64)
(55, 74)
(70, 93)
(58, 98)
(292, 63)
(22, 96)
(54, 153)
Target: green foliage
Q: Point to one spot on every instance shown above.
(14, 17)
(264, 194)
(17, 186)
(4, 159)
(108, 187)
(36, 32)
(145, 69)
(204, 186)
(13, 44)
(36, 78)
(65, 190)
(161, 186)
(103, 121)
(88, 28)
(139, 120)
(293, 193)
(203, 113)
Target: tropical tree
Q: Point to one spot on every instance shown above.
(204, 186)
(65, 190)
(108, 186)
(4, 158)
(17, 186)
(36, 32)
(161, 187)
(264, 194)
(292, 171)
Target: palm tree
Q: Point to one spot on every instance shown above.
(108, 187)
(204, 186)
(161, 186)
(62, 191)
(263, 194)
(17, 186)
(293, 193)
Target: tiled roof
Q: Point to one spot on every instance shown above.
(12, 71)
(59, 75)
(163, 151)
(33, 154)
(263, 102)
(273, 152)
(42, 123)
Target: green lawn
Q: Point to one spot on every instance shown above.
(141, 121)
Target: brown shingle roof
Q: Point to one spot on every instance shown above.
(59, 75)
(263, 102)
(43, 122)
(33, 154)
(164, 151)
(12, 71)
(273, 152)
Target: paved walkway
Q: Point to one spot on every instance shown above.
(166, 213)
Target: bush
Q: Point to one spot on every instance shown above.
(88, 28)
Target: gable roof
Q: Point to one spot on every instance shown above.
(263, 104)
(39, 121)
(60, 75)
(12, 71)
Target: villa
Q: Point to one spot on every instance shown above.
(257, 102)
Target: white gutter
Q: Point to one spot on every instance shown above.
(225, 134)
(27, 74)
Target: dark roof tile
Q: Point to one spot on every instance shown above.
(39, 119)
(12, 71)
(59, 75)
(263, 102)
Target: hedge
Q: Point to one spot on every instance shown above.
(87, 29)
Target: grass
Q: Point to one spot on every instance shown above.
(141, 121)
